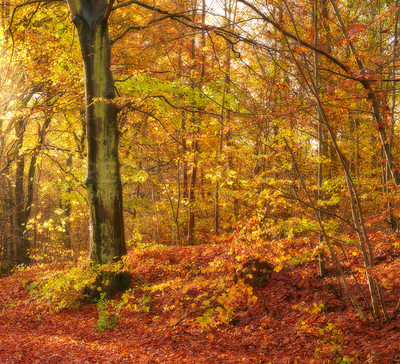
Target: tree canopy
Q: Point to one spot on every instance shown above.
(251, 125)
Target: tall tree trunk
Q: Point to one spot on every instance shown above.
(394, 221)
(182, 151)
(20, 246)
(23, 197)
(183, 128)
(107, 243)
(195, 145)
(320, 176)
(225, 117)
(68, 208)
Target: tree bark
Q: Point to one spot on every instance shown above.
(195, 146)
(320, 174)
(104, 189)
(20, 246)
(68, 208)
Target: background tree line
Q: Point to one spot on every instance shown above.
(280, 116)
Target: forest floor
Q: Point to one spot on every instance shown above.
(297, 316)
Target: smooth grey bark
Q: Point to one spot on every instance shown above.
(104, 189)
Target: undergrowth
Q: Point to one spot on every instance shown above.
(108, 314)
(206, 285)
(211, 288)
(58, 289)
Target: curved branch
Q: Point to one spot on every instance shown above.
(294, 37)
(151, 7)
(138, 27)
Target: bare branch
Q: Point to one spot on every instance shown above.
(294, 37)
(109, 9)
(154, 8)
(138, 27)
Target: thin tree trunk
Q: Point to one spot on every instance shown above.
(224, 119)
(394, 221)
(184, 131)
(356, 210)
(20, 249)
(325, 235)
(374, 101)
(192, 185)
(157, 220)
(68, 208)
(195, 141)
(320, 176)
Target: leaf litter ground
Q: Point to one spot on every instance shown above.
(298, 317)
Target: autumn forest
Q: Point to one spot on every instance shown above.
(201, 181)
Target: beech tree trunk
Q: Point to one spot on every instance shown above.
(103, 182)
(19, 250)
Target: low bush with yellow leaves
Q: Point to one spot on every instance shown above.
(190, 283)
(58, 289)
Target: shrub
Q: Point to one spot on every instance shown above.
(63, 288)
